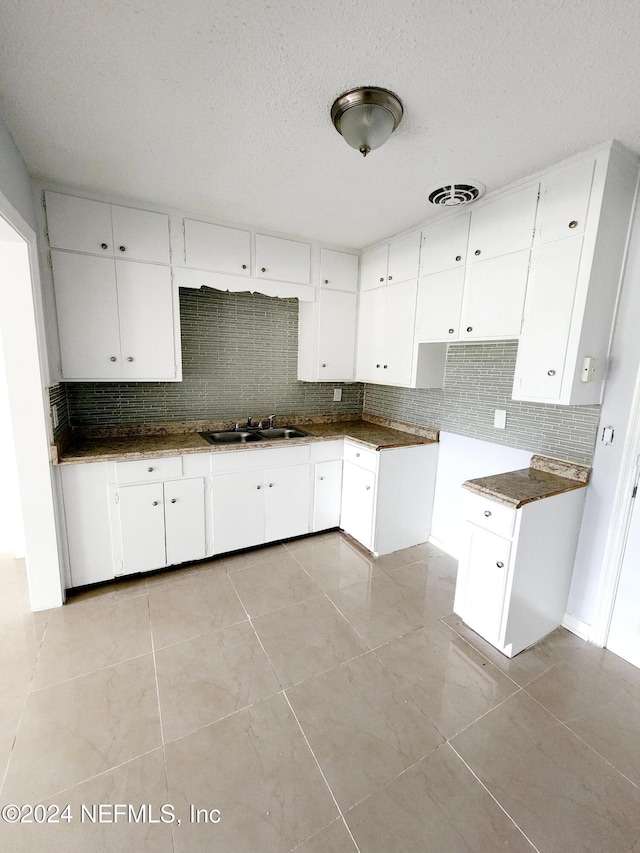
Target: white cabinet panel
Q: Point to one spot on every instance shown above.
(141, 511)
(87, 309)
(145, 303)
(238, 510)
(283, 260)
(184, 520)
(439, 305)
(444, 245)
(286, 511)
(540, 364)
(327, 494)
(338, 270)
(564, 202)
(373, 269)
(140, 235)
(79, 224)
(217, 247)
(371, 335)
(400, 316)
(486, 579)
(358, 503)
(404, 258)
(504, 225)
(336, 336)
(494, 294)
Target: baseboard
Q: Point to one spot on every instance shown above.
(577, 626)
(443, 546)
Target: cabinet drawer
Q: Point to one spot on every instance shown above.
(325, 451)
(489, 514)
(142, 470)
(361, 456)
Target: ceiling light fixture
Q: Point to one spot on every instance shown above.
(366, 117)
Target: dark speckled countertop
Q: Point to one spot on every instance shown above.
(103, 444)
(544, 478)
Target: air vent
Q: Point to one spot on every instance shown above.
(454, 194)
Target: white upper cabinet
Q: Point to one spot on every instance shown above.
(283, 260)
(439, 305)
(394, 262)
(86, 225)
(494, 295)
(386, 334)
(503, 225)
(326, 337)
(577, 263)
(217, 247)
(444, 245)
(338, 270)
(564, 202)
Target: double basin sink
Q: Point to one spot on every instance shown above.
(241, 436)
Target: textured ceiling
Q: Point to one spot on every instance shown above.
(223, 107)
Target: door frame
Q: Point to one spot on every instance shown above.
(28, 405)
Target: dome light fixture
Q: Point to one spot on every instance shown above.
(366, 117)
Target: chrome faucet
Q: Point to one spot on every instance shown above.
(272, 421)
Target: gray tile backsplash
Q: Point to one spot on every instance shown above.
(478, 380)
(239, 358)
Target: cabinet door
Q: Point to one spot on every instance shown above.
(88, 531)
(373, 268)
(439, 305)
(494, 295)
(564, 201)
(371, 335)
(327, 495)
(87, 309)
(358, 496)
(79, 224)
(184, 520)
(486, 567)
(141, 511)
(145, 300)
(404, 258)
(338, 270)
(336, 336)
(504, 225)
(444, 245)
(542, 348)
(283, 260)
(400, 319)
(216, 247)
(286, 509)
(140, 235)
(238, 510)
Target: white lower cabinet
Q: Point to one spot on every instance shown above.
(327, 495)
(515, 569)
(259, 504)
(160, 524)
(387, 495)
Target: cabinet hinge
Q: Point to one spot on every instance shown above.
(634, 492)
(49, 261)
(44, 201)
(184, 242)
(117, 497)
(46, 234)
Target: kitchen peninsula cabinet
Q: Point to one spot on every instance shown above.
(515, 567)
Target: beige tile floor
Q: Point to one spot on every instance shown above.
(321, 701)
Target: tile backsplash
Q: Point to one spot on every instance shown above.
(478, 380)
(239, 358)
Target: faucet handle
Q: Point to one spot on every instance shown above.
(249, 422)
(272, 420)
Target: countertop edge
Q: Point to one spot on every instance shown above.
(516, 503)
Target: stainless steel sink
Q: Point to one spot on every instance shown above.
(282, 432)
(241, 436)
(231, 437)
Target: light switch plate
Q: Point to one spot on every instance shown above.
(500, 419)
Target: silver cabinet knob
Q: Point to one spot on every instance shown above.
(149, 470)
(321, 478)
(104, 245)
(377, 365)
(271, 485)
(324, 364)
(384, 366)
(390, 278)
(573, 223)
(123, 248)
(113, 358)
(263, 269)
(244, 266)
(357, 454)
(382, 278)
(326, 281)
(155, 503)
(477, 252)
(173, 500)
(487, 513)
(551, 373)
(469, 328)
(458, 257)
(451, 331)
(368, 487)
(500, 564)
(258, 487)
(129, 358)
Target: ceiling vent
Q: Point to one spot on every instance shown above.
(451, 195)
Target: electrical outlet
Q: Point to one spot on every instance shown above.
(500, 419)
(337, 395)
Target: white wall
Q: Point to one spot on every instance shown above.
(598, 513)
(11, 532)
(461, 459)
(15, 182)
